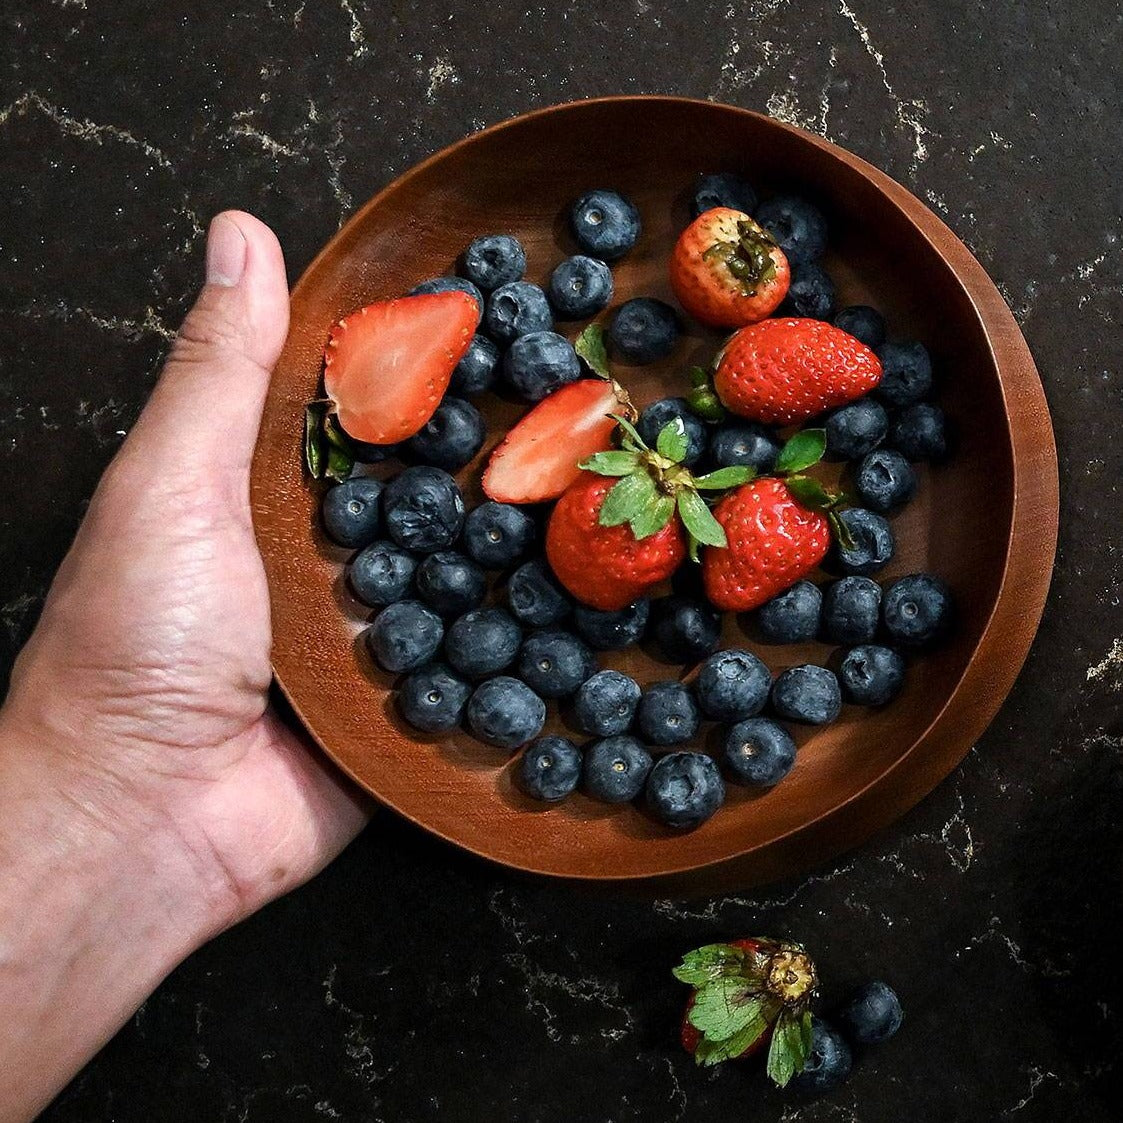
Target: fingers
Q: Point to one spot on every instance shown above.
(205, 411)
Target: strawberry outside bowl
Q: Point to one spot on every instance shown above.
(985, 520)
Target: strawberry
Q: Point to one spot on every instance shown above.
(777, 530)
(749, 993)
(607, 567)
(774, 541)
(727, 271)
(787, 370)
(387, 366)
(539, 457)
(624, 525)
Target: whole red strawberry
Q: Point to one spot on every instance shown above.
(787, 370)
(748, 994)
(727, 271)
(774, 540)
(627, 522)
(607, 567)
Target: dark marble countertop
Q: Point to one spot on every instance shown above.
(410, 982)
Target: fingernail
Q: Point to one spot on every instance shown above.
(226, 252)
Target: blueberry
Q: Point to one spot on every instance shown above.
(684, 789)
(917, 609)
(539, 363)
(798, 227)
(580, 287)
(643, 330)
(654, 417)
(807, 693)
(534, 596)
(850, 610)
(498, 534)
(549, 769)
(744, 444)
(906, 373)
(871, 675)
(667, 714)
(615, 769)
(605, 704)
(686, 630)
(884, 480)
(810, 293)
(505, 712)
(450, 583)
(919, 432)
(865, 324)
(476, 370)
(382, 573)
(793, 616)
(351, 513)
(423, 509)
(518, 308)
(432, 699)
(758, 751)
(554, 664)
(732, 685)
(612, 631)
(404, 636)
(604, 224)
(451, 437)
(722, 189)
(829, 1061)
(872, 1014)
(494, 260)
(872, 542)
(451, 284)
(482, 641)
(855, 429)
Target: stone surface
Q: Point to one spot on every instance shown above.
(410, 982)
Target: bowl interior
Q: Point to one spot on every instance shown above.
(517, 178)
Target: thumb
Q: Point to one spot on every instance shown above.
(206, 408)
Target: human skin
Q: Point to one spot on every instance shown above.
(149, 796)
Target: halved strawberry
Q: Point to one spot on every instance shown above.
(387, 366)
(539, 457)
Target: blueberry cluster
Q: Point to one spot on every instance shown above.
(516, 344)
(870, 1015)
(468, 612)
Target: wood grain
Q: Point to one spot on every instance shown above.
(986, 520)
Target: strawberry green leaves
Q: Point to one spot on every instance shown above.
(790, 1045)
(725, 1007)
(627, 499)
(724, 478)
(328, 451)
(801, 451)
(703, 398)
(590, 347)
(672, 441)
(703, 528)
(744, 992)
(614, 463)
(713, 961)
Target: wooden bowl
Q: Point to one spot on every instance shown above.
(986, 520)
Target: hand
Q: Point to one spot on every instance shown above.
(138, 721)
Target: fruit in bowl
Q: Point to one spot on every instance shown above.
(983, 519)
(722, 479)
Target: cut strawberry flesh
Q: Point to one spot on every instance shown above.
(387, 366)
(539, 457)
